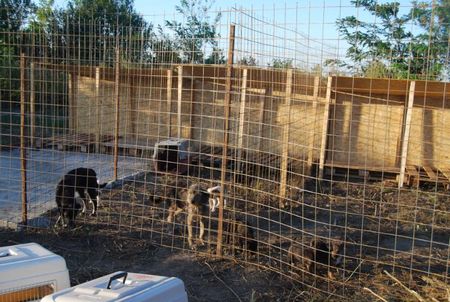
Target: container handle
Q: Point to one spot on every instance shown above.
(117, 276)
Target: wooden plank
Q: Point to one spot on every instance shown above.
(192, 109)
(312, 135)
(285, 141)
(446, 173)
(242, 115)
(169, 102)
(262, 117)
(326, 116)
(23, 151)
(226, 129)
(72, 86)
(98, 103)
(180, 95)
(117, 113)
(406, 131)
(433, 176)
(413, 176)
(32, 107)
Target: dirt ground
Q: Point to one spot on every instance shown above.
(395, 241)
(92, 252)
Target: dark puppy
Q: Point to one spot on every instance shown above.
(240, 234)
(82, 181)
(318, 255)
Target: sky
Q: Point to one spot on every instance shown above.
(304, 30)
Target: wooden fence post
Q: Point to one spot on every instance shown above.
(405, 138)
(97, 110)
(326, 116)
(169, 102)
(117, 101)
(312, 135)
(226, 126)
(72, 85)
(242, 115)
(285, 140)
(23, 152)
(32, 107)
(180, 95)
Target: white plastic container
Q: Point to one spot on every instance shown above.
(122, 286)
(29, 272)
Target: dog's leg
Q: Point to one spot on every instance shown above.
(212, 204)
(190, 217)
(202, 230)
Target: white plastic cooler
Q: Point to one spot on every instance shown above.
(29, 271)
(122, 286)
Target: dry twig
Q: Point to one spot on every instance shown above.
(413, 293)
(375, 294)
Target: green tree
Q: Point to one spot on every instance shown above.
(86, 32)
(196, 36)
(282, 63)
(248, 61)
(388, 48)
(13, 19)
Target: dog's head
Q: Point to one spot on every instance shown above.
(337, 250)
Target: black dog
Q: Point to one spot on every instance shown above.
(82, 181)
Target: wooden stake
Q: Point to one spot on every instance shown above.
(405, 138)
(72, 85)
(242, 115)
(285, 142)
(117, 101)
(227, 103)
(312, 135)
(191, 109)
(180, 94)
(326, 116)
(169, 102)
(32, 107)
(97, 110)
(262, 116)
(23, 154)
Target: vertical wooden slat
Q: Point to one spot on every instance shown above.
(227, 102)
(169, 102)
(72, 85)
(98, 102)
(133, 110)
(192, 109)
(117, 102)
(313, 134)
(180, 95)
(32, 107)
(242, 115)
(285, 140)
(262, 116)
(406, 131)
(23, 154)
(326, 116)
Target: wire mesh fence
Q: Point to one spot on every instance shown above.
(269, 142)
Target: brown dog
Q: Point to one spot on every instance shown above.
(319, 254)
(194, 200)
(239, 234)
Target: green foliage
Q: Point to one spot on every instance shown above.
(282, 63)
(388, 49)
(197, 34)
(248, 61)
